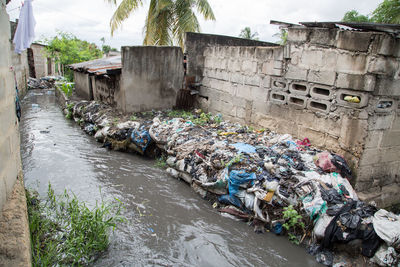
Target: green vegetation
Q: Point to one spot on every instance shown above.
(387, 12)
(106, 48)
(166, 21)
(66, 87)
(67, 49)
(282, 35)
(293, 222)
(64, 231)
(238, 158)
(200, 118)
(247, 34)
(161, 162)
(70, 108)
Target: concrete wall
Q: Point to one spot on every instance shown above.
(196, 43)
(106, 88)
(41, 62)
(10, 159)
(299, 89)
(151, 77)
(82, 85)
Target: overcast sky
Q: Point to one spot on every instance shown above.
(89, 19)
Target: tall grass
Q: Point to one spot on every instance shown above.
(64, 231)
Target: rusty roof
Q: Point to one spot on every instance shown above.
(364, 26)
(98, 66)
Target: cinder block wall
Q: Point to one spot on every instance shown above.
(106, 88)
(299, 89)
(40, 61)
(10, 160)
(82, 85)
(151, 77)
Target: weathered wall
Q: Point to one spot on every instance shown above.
(106, 88)
(83, 85)
(10, 159)
(43, 66)
(151, 77)
(196, 43)
(299, 89)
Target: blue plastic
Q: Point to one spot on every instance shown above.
(237, 178)
(246, 148)
(230, 200)
(141, 138)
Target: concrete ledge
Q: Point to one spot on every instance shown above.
(15, 245)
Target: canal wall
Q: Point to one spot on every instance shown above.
(300, 89)
(14, 231)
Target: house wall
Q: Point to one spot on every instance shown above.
(106, 88)
(151, 77)
(82, 86)
(10, 159)
(41, 62)
(299, 89)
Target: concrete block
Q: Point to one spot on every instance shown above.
(383, 65)
(356, 82)
(266, 82)
(370, 156)
(316, 138)
(280, 84)
(389, 195)
(298, 34)
(278, 53)
(386, 86)
(353, 133)
(390, 154)
(322, 77)
(278, 97)
(299, 88)
(237, 77)
(249, 66)
(391, 139)
(222, 75)
(351, 63)
(380, 122)
(384, 105)
(396, 123)
(297, 102)
(264, 53)
(244, 91)
(259, 94)
(234, 65)
(272, 67)
(318, 91)
(374, 139)
(296, 73)
(323, 36)
(260, 107)
(388, 45)
(254, 80)
(342, 93)
(353, 40)
(319, 105)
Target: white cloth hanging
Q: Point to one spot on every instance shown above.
(25, 33)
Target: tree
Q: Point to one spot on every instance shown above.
(387, 12)
(166, 21)
(282, 34)
(246, 34)
(354, 16)
(67, 49)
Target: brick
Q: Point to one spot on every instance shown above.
(323, 36)
(318, 91)
(383, 65)
(299, 88)
(390, 139)
(279, 84)
(296, 73)
(297, 102)
(272, 68)
(351, 63)
(342, 93)
(356, 81)
(298, 34)
(322, 77)
(374, 139)
(353, 40)
(380, 122)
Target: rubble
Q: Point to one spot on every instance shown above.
(254, 175)
(44, 82)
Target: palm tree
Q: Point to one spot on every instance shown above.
(166, 21)
(246, 34)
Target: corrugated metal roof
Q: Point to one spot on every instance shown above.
(98, 66)
(365, 26)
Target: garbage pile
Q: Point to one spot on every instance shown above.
(44, 82)
(277, 183)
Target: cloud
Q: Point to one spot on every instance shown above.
(89, 19)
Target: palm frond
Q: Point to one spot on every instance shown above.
(204, 8)
(125, 8)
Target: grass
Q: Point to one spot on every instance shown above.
(70, 108)
(161, 162)
(64, 231)
(66, 87)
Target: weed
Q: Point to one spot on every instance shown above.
(187, 115)
(133, 118)
(293, 222)
(70, 108)
(161, 162)
(66, 87)
(64, 231)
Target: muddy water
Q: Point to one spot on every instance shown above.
(167, 223)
